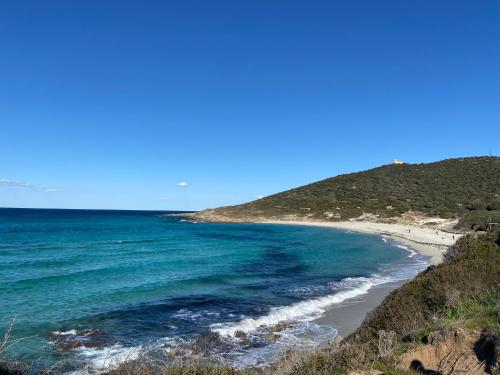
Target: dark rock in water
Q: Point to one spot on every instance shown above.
(274, 331)
(247, 343)
(89, 338)
(281, 327)
(271, 336)
(205, 343)
(240, 334)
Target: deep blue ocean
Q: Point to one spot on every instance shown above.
(91, 288)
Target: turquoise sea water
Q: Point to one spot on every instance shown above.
(92, 288)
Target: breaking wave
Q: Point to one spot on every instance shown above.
(105, 359)
(301, 311)
(411, 251)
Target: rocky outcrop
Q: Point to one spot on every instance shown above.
(455, 351)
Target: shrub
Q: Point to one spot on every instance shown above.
(449, 188)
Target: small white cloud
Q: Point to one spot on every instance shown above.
(182, 184)
(260, 196)
(20, 184)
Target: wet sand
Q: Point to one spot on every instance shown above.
(348, 316)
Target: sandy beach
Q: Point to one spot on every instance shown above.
(347, 316)
(428, 240)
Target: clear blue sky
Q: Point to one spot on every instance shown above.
(110, 104)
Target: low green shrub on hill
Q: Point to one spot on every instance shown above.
(471, 270)
(464, 187)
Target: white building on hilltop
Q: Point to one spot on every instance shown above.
(396, 161)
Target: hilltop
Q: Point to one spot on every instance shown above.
(464, 188)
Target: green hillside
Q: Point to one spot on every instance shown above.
(468, 188)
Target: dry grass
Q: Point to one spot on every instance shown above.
(7, 366)
(148, 367)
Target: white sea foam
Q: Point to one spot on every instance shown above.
(105, 359)
(65, 333)
(307, 290)
(187, 314)
(404, 247)
(303, 336)
(411, 251)
(302, 311)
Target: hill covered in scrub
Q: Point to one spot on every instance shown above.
(468, 188)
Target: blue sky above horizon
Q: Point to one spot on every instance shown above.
(114, 104)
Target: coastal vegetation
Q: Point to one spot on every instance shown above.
(464, 188)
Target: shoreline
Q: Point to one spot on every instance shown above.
(346, 317)
(430, 241)
(429, 237)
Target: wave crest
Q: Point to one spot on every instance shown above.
(301, 311)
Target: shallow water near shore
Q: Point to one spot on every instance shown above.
(100, 287)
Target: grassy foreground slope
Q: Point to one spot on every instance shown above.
(468, 188)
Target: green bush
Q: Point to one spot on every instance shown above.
(469, 278)
(449, 188)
